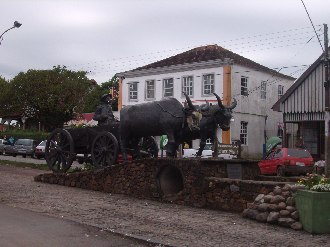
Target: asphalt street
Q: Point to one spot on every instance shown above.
(20, 158)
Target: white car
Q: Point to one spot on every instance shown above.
(207, 153)
(39, 152)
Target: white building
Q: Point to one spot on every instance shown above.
(207, 69)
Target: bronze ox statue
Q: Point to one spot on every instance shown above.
(212, 117)
(169, 117)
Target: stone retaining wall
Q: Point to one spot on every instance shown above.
(194, 182)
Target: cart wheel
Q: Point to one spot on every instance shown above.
(148, 147)
(104, 149)
(59, 151)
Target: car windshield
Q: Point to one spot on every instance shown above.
(208, 147)
(25, 142)
(43, 143)
(300, 153)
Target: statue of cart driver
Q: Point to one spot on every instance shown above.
(103, 113)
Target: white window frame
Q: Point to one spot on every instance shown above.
(263, 90)
(280, 91)
(150, 88)
(208, 84)
(187, 83)
(133, 92)
(243, 136)
(168, 90)
(244, 85)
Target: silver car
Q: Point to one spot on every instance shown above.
(2, 146)
(25, 147)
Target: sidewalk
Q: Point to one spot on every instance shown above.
(19, 227)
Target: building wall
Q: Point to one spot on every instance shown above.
(197, 97)
(251, 109)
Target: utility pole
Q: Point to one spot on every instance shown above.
(327, 103)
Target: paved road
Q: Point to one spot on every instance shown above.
(19, 227)
(152, 221)
(19, 158)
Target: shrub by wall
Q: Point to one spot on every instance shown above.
(26, 134)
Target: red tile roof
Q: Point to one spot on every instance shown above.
(207, 53)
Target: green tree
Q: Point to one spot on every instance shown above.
(93, 98)
(50, 97)
(5, 97)
(3, 81)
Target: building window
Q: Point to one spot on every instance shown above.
(263, 94)
(208, 84)
(133, 91)
(280, 91)
(150, 89)
(187, 85)
(168, 87)
(243, 133)
(244, 86)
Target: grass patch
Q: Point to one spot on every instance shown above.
(23, 164)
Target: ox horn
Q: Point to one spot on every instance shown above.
(190, 104)
(233, 105)
(219, 101)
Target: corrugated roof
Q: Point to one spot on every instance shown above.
(209, 53)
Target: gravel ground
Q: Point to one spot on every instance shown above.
(166, 224)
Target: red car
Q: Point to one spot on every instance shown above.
(281, 161)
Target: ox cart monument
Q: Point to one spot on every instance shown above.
(133, 134)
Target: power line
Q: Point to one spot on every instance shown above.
(227, 44)
(100, 66)
(312, 25)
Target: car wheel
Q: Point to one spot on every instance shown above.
(81, 161)
(24, 155)
(14, 155)
(280, 171)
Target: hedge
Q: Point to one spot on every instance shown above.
(25, 134)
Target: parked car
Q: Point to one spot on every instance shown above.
(281, 161)
(8, 148)
(207, 153)
(24, 147)
(2, 145)
(40, 150)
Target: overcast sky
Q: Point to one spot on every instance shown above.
(111, 36)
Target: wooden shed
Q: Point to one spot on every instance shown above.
(303, 110)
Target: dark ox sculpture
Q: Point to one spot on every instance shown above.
(168, 117)
(164, 117)
(211, 117)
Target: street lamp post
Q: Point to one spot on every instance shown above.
(16, 25)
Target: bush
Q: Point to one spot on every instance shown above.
(315, 182)
(17, 134)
